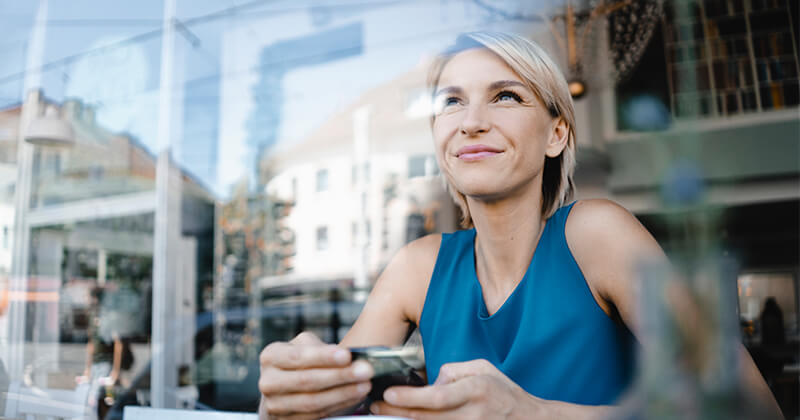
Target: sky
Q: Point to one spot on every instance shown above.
(108, 54)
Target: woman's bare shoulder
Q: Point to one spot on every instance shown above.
(423, 251)
(599, 221)
(599, 226)
(608, 242)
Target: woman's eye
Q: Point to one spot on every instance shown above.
(443, 103)
(506, 96)
(450, 101)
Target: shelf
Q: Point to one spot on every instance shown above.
(721, 63)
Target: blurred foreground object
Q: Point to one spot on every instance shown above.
(689, 366)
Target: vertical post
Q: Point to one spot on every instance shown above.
(361, 153)
(14, 354)
(166, 255)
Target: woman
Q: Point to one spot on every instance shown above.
(527, 314)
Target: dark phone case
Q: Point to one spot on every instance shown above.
(380, 383)
(403, 375)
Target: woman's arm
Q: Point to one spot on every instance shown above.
(608, 243)
(395, 303)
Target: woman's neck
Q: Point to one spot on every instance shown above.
(508, 231)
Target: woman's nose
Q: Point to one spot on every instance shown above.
(475, 120)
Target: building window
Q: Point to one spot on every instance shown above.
(56, 164)
(322, 180)
(422, 165)
(722, 59)
(416, 166)
(355, 174)
(322, 238)
(367, 232)
(431, 167)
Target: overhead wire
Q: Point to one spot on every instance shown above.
(185, 23)
(131, 40)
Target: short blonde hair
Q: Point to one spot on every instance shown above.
(543, 77)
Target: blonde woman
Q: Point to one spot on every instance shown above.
(525, 313)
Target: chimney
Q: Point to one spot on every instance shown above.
(34, 96)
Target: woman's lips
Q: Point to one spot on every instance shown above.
(476, 152)
(470, 157)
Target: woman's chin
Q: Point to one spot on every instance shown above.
(485, 193)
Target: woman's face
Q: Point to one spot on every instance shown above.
(491, 132)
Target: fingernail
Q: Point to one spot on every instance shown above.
(390, 396)
(363, 388)
(374, 409)
(341, 356)
(362, 370)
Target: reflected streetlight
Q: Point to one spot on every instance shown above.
(50, 130)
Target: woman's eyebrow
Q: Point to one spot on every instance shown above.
(500, 84)
(455, 90)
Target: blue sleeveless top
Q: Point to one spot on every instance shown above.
(550, 336)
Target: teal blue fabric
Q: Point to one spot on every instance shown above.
(550, 336)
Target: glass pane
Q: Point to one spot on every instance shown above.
(78, 118)
(89, 294)
(183, 183)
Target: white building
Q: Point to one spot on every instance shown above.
(359, 183)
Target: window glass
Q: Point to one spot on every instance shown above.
(416, 166)
(755, 289)
(184, 182)
(322, 180)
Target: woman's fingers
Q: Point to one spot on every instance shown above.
(306, 378)
(438, 397)
(279, 381)
(306, 338)
(451, 372)
(302, 356)
(383, 409)
(322, 402)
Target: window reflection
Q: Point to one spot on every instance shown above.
(300, 148)
(99, 163)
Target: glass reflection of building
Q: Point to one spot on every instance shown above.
(309, 124)
(359, 187)
(91, 222)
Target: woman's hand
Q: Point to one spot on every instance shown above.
(308, 379)
(467, 390)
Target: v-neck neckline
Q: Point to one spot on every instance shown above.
(483, 311)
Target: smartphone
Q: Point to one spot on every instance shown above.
(392, 366)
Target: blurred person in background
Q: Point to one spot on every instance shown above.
(106, 357)
(527, 313)
(769, 356)
(772, 328)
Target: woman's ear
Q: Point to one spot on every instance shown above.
(557, 141)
